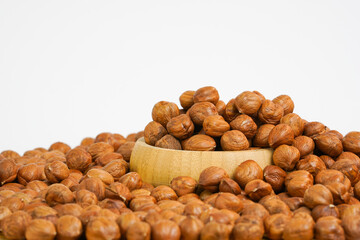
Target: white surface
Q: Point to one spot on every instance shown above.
(72, 69)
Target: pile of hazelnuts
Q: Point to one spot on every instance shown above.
(312, 190)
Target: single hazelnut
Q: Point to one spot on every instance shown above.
(72, 209)
(215, 230)
(28, 173)
(351, 156)
(99, 148)
(215, 126)
(261, 138)
(324, 210)
(102, 228)
(348, 168)
(255, 209)
(117, 168)
(247, 171)
(9, 154)
(248, 103)
(169, 142)
(281, 134)
(163, 111)
(285, 102)
(329, 227)
(191, 228)
(286, 157)
(211, 177)
(165, 229)
(180, 126)
(13, 203)
(300, 227)
(297, 182)
(8, 171)
(351, 227)
(199, 142)
(131, 137)
(186, 99)
(153, 132)
(270, 112)
(147, 186)
(245, 124)
(257, 189)
(339, 192)
(138, 202)
(220, 107)
(184, 199)
(40, 229)
(311, 163)
(206, 94)
(58, 194)
(295, 122)
(172, 205)
(132, 180)
(275, 176)
(115, 206)
(275, 225)
(275, 205)
(118, 190)
(126, 149)
(163, 192)
(329, 144)
(138, 231)
(101, 174)
(304, 144)
(60, 146)
(14, 225)
(78, 159)
(183, 185)
(313, 129)
(56, 171)
(68, 228)
(234, 140)
(228, 201)
(94, 185)
(327, 160)
(108, 157)
(231, 112)
(248, 227)
(87, 141)
(229, 185)
(199, 111)
(317, 195)
(125, 220)
(351, 142)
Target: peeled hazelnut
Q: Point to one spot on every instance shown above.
(138, 231)
(297, 182)
(13, 203)
(126, 149)
(215, 126)
(304, 144)
(281, 134)
(180, 126)
(329, 227)
(275, 225)
(329, 144)
(163, 111)
(324, 210)
(115, 206)
(261, 138)
(14, 225)
(285, 102)
(351, 156)
(183, 185)
(72, 209)
(351, 227)
(186, 99)
(199, 111)
(206, 94)
(220, 107)
(116, 168)
(339, 192)
(118, 190)
(163, 192)
(351, 142)
(147, 186)
(228, 201)
(169, 142)
(246, 172)
(191, 228)
(311, 163)
(28, 173)
(165, 229)
(313, 129)
(132, 180)
(348, 168)
(56, 171)
(101, 174)
(231, 111)
(172, 205)
(9, 154)
(60, 146)
(248, 103)
(255, 209)
(58, 194)
(245, 124)
(184, 199)
(100, 148)
(79, 159)
(200, 142)
(68, 228)
(8, 171)
(153, 132)
(275, 205)
(331, 175)
(327, 160)
(257, 189)
(94, 185)
(45, 212)
(153, 217)
(286, 157)
(295, 122)
(215, 230)
(138, 202)
(317, 195)
(108, 157)
(210, 178)
(40, 229)
(124, 221)
(270, 112)
(275, 176)
(300, 227)
(234, 140)
(102, 228)
(248, 227)
(229, 185)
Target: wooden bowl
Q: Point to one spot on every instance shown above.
(159, 166)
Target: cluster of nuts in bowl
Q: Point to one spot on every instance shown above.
(312, 190)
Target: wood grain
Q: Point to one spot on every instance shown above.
(159, 166)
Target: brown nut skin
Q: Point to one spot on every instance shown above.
(351, 227)
(255, 209)
(78, 159)
(72, 209)
(295, 122)
(324, 210)
(117, 168)
(215, 126)
(183, 185)
(351, 142)
(329, 227)
(281, 134)
(313, 129)
(275, 176)
(165, 229)
(206, 94)
(245, 124)
(348, 168)
(228, 201)
(328, 176)
(102, 228)
(58, 194)
(229, 185)
(10, 154)
(153, 132)
(215, 230)
(126, 149)
(125, 220)
(257, 189)
(231, 111)
(317, 195)
(304, 144)
(311, 163)
(56, 171)
(261, 138)
(234, 140)
(199, 142)
(329, 144)
(169, 142)
(297, 182)
(68, 228)
(163, 111)
(300, 227)
(163, 192)
(339, 192)
(286, 157)
(8, 171)
(187, 99)
(191, 228)
(199, 111)
(248, 227)
(220, 106)
(60, 146)
(180, 126)
(28, 173)
(40, 229)
(108, 157)
(101, 174)
(138, 231)
(14, 225)
(119, 191)
(285, 102)
(211, 177)
(270, 112)
(132, 180)
(94, 185)
(248, 103)
(247, 171)
(275, 225)
(351, 156)
(99, 148)
(327, 160)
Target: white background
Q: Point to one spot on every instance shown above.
(72, 69)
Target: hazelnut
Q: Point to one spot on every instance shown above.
(186, 99)
(303, 210)
(116, 168)
(220, 107)
(28, 173)
(138, 231)
(348, 168)
(293, 202)
(206, 94)
(229, 185)
(255, 209)
(153, 132)
(72, 209)
(317, 195)
(56, 171)
(246, 172)
(45, 212)
(172, 205)
(275, 176)
(184, 199)
(60, 146)
(324, 210)
(248, 227)
(118, 190)
(327, 160)
(257, 189)
(132, 180)
(9, 154)
(68, 227)
(147, 186)
(126, 149)
(215, 230)
(286, 157)
(329, 227)
(215, 126)
(131, 137)
(351, 227)
(275, 205)
(245, 124)
(101, 174)
(281, 134)
(191, 228)
(297, 182)
(13, 203)
(195, 208)
(261, 138)
(304, 144)
(234, 140)
(94, 185)
(295, 122)
(99, 148)
(169, 142)
(285, 102)
(163, 192)
(78, 159)
(199, 111)
(211, 177)
(231, 111)
(115, 206)
(165, 229)
(138, 202)
(58, 194)
(125, 220)
(328, 176)
(8, 171)
(311, 163)
(87, 141)
(102, 228)
(248, 103)
(163, 111)
(351, 156)
(275, 225)
(329, 144)
(339, 192)
(40, 229)
(200, 142)
(108, 157)
(228, 201)
(300, 227)
(351, 142)
(270, 112)
(260, 96)
(183, 185)
(14, 225)
(313, 129)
